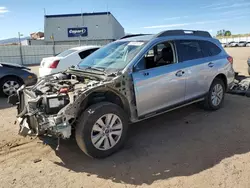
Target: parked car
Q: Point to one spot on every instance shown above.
(228, 44)
(62, 61)
(13, 76)
(223, 44)
(233, 44)
(242, 43)
(126, 81)
(248, 44)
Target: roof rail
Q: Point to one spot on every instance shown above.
(183, 32)
(132, 35)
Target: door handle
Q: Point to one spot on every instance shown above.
(210, 64)
(180, 73)
(145, 73)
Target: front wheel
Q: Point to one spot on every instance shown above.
(102, 130)
(9, 85)
(215, 96)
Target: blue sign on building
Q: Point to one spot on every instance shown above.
(77, 32)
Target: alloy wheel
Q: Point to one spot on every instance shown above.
(217, 94)
(10, 87)
(106, 131)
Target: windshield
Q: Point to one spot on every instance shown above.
(66, 53)
(113, 57)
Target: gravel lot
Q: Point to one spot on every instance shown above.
(188, 147)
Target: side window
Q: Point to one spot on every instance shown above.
(160, 55)
(209, 48)
(85, 53)
(188, 50)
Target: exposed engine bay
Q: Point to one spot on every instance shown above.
(46, 108)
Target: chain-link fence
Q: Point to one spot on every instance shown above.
(32, 55)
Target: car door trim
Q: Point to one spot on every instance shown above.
(173, 107)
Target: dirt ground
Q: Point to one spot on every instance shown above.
(188, 147)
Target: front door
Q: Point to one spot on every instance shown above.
(159, 81)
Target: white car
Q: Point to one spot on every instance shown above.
(65, 59)
(234, 44)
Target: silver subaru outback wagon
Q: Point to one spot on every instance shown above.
(126, 81)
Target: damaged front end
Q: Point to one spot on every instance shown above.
(50, 107)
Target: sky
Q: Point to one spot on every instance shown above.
(136, 16)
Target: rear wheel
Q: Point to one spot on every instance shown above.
(101, 130)
(9, 85)
(215, 96)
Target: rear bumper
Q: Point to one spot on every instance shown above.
(46, 71)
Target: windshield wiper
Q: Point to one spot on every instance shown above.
(99, 69)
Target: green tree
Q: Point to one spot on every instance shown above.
(228, 33)
(223, 32)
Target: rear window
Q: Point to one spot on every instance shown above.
(66, 53)
(209, 48)
(188, 50)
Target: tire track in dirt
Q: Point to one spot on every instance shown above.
(23, 149)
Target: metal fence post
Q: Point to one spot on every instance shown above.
(20, 46)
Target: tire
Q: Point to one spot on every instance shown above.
(84, 134)
(9, 79)
(209, 102)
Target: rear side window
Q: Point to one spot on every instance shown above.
(188, 50)
(209, 48)
(85, 53)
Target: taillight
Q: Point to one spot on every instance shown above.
(230, 59)
(54, 64)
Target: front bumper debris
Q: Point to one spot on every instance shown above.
(33, 122)
(241, 86)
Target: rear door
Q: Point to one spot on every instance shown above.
(213, 61)
(194, 65)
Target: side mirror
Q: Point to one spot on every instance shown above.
(136, 68)
(139, 66)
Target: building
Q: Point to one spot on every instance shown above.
(85, 28)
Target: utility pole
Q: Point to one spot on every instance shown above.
(79, 36)
(53, 40)
(20, 47)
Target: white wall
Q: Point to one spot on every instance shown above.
(118, 30)
(236, 39)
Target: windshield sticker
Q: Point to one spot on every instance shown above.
(135, 43)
